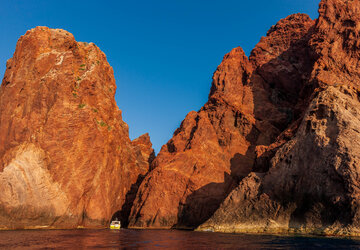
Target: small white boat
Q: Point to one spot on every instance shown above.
(115, 224)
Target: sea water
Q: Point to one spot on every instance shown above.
(162, 239)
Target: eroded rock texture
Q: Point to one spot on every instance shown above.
(66, 159)
(312, 185)
(279, 126)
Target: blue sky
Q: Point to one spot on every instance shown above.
(163, 52)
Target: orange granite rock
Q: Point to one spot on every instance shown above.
(249, 106)
(66, 159)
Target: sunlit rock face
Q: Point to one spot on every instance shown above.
(275, 147)
(216, 147)
(66, 159)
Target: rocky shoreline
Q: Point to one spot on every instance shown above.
(273, 151)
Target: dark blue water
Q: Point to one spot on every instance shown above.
(157, 239)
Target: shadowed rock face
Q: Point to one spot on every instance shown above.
(312, 185)
(279, 127)
(66, 159)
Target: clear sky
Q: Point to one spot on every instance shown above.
(163, 52)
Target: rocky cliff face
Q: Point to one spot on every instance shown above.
(280, 127)
(216, 147)
(312, 185)
(66, 159)
(275, 148)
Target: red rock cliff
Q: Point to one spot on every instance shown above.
(251, 103)
(278, 126)
(66, 159)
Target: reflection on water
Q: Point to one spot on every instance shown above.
(161, 239)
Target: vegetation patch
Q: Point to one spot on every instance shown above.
(82, 105)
